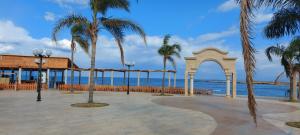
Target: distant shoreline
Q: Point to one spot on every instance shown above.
(243, 82)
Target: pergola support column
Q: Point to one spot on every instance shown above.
(174, 80)
(138, 78)
(66, 76)
(112, 78)
(48, 77)
(20, 76)
(169, 79)
(79, 79)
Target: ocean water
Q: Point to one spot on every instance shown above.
(217, 87)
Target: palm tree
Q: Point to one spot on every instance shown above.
(168, 51)
(246, 18)
(289, 60)
(100, 22)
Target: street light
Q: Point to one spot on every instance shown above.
(128, 64)
(41, 54)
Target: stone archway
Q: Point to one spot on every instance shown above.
(210, 54)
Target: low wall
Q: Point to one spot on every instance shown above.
(146, 89)
(23, 86)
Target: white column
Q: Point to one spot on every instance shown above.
(138, 78)
(233, 85)
(48, 77)
(186, 84)
(169, 78)
(66, 76)
(192, 84)
(20, 76)
(174, 80)
(112, 78)
(227, 85)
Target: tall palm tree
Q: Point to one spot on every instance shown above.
(246, 18)
(100, 22)
(167, 52)
(289, 60)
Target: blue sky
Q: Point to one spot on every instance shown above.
(25, 25)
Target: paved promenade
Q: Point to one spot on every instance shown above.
(20, 114)
(140, 114)
(233, 116)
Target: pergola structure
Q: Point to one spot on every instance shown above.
(16, 65)
(20, 64)
(210, 54)
(112, 71)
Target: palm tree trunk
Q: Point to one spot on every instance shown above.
(294, 86)
(92, 69)
(72, 65)
(248, 52)
(163, 79)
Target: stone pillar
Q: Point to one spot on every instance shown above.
(174, 80)
(66, 76)
(186, 84)
(112, 78)
(192, 84)
(20, 76)
(169, 79)
(227, 85)
(48, 77)
(233, 85)
(138, 78)
(294, 89)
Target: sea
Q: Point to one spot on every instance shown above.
(218, 87)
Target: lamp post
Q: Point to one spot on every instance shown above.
(128, 64)
(40, 53)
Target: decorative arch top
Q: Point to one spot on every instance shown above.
(210, 49)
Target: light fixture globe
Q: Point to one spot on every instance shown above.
(48, 53)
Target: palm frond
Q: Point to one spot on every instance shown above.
(287, 66)
(83, 43)
(166, 39)
(276, 3)
(284, 22)
(67, 21)
(173, 62)
(177, 46)
(117, 27)
(102, 6)
(274, 50)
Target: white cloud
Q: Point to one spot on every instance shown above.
(16, 39)
(5, 48)
(263, 17)
(49, 16)
(217, 35)
(228, 5)
(68, 3)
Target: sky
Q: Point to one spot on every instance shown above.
(195, 24)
